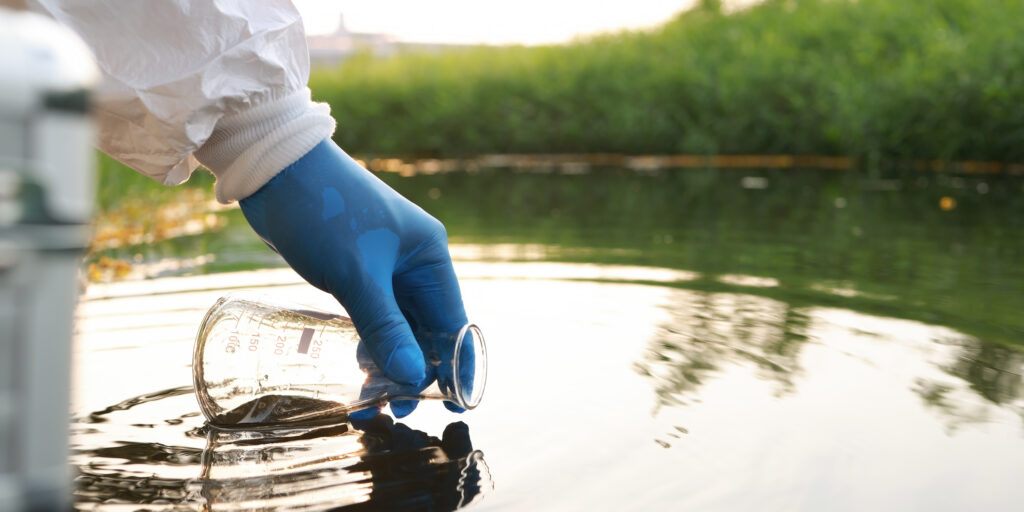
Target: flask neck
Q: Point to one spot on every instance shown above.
(456, 372)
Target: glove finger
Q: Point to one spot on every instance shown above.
(403, 408)
(430, 294)
(429, 291)
(453, 408)
(385, 333)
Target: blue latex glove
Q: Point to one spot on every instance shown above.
(384, 258)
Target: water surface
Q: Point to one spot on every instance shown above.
(600, 396)
(671, 340)
(938, 248)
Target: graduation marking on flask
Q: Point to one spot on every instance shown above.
(304, 339)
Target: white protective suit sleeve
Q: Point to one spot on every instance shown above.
(217, 82)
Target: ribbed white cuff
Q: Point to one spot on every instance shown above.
(249, 148)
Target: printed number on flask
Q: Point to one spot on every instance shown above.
(314, 351)
(232, 345)
(279, 346)
(254, 344)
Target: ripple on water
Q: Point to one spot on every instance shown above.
(124, 459)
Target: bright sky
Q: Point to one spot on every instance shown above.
(487, 21)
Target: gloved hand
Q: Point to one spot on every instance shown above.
(384, 258)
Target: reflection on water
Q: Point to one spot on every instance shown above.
(126, 457)
(716, 329)
(992, 372)
(713, 336)
(880, 246)
(936, 248)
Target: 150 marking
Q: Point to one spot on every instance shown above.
(234, 344)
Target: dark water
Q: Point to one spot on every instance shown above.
(672, 341)
(937, 248)
(125, 461)
(277, 410)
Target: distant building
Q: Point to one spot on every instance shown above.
(331, 49)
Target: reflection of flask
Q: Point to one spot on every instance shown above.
(260, 362)
(388, 467)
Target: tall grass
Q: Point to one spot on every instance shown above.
(873, 79)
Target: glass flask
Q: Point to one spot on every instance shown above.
(259, 361)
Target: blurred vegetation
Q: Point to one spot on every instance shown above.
(140, 221)
(880, 81)
(874, 79)
(117, 184)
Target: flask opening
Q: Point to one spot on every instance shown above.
(470, 366)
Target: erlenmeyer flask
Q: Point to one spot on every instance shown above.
(259, 361)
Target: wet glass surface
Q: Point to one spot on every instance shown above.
(707, 341)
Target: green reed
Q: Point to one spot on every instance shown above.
(874, 79)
